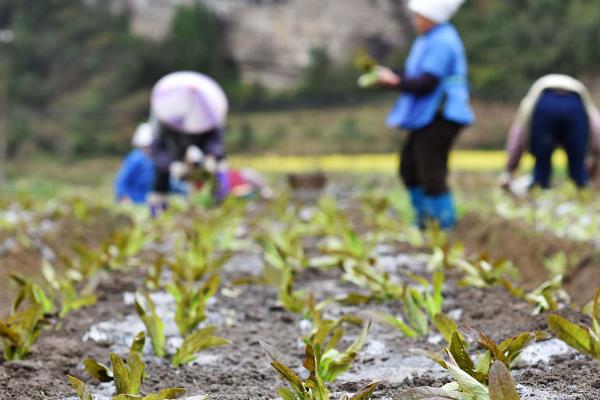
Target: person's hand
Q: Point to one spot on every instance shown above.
(178, 170)
(387, 77)
(125, 200)
(505, 179)
(210, 164)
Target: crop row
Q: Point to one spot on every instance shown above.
(184, 252)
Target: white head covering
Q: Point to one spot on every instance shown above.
(143, 136)
(439, 11)
(189, 102)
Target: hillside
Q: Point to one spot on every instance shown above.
(272, 40)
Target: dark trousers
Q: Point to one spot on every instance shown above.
(424, 156)
(559, 119)
(171, 146)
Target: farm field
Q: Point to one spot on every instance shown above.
(340, 294)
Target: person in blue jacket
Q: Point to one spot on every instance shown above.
(434, 107)
(136, 175)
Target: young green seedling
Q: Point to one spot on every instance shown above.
(446, 256)
(277, 272)
(546, 297)
(130, 377)
(284, 249)
(127, 376)
(360, 267)
(191, 302)
(31, 292)
(501, 387)
(21, 330)
(122, 247)
(292, 300)
(332, 362)
(421, 307)
(376, 209)
(328, 220)
(585, 339)
(313, 387)
(202, 339)
(194, 262)
(484, 273)
(165, 394)
(155, 327)
(66, 291)
(154, 274)
(506, 352)
(325, 337)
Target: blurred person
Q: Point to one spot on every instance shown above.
(188, 111)
(434, 107)
(557, 111)
(245, 183)
(136, 175)
(135, 178)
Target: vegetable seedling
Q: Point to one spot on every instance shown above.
(155, 327)
(506, 352)
(191, 302)
(313, 387)
(202, 339)
(21, 330)
(585, 339)
(501, 387)
(128, 377)
(69, 298)
(422, 306)
(83, 393)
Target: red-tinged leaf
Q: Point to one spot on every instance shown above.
(501, 384)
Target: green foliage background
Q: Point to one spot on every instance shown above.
(513, 42)
(79, 80)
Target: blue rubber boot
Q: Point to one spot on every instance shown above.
(440, 209)
(416, 200)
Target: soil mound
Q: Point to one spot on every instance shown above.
(528, 249)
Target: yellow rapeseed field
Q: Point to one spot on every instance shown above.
(477, 161)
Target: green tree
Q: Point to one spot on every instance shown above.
(513, 42)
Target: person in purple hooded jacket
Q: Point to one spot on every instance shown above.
(188, 114)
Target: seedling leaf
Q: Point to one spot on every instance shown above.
(468, 384)
(366, 392)
(167, 394)
(121, 375)
(572, 334)
(137, 345)
(501, 384)
(197, 341)
(97, 370)
(154, 325)
(80, 388)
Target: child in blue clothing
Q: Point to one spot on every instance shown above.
(434, 108)
(136, 175)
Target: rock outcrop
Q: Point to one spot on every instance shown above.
(272, 39)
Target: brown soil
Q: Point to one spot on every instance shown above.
(242, 371)
(23, 261)
(61, 239)
(515, 241)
